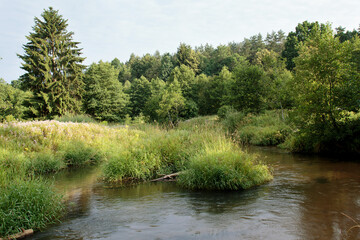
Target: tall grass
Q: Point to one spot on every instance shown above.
(28, 204)
(218, 169)
(198, 148)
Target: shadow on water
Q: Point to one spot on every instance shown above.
(305, 200)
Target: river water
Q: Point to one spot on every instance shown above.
(306, 200)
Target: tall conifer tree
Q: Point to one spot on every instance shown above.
(53, 67)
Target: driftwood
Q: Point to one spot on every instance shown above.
(170, 177)
(20, 235)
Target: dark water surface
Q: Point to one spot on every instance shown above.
(306, 200)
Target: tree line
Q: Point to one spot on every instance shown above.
(313, 72)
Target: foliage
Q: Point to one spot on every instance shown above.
(157, 88)
(172, 102)
(12, 101)
(302, 32)
(327, 87)
(104, 98)
(187, 56)
(53, 67)
(139, 94)
(196, 146)
(246, 92)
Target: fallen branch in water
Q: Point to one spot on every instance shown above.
(20, 235)
(170, 177)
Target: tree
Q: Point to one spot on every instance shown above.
(212, 90)
(249, 47)
(157, 88)
(275, 41)
(12, 101)
(187, 56)
(167, 65)
(139, 94)
(104, 98)
(246, 91)
(278, 81)
(116, 63)
(171, 104)
(53, 67)
(302, 32)
(147, 66)
(185, 76)
(327, 84)
(348, 35)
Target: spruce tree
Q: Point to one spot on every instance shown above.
(53, 67)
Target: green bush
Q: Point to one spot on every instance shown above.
(223, 170)
(28, 204)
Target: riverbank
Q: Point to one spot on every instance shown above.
(30, 149)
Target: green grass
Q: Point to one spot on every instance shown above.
(28, 204)
(198, 148)
(224, 170)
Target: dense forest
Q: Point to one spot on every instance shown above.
(309, 76)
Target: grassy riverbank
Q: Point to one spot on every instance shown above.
(198, 148)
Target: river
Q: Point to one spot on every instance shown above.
(306, 200)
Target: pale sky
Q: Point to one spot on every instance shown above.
(117, 28)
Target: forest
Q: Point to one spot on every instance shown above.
(186, 113)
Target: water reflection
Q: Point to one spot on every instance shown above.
(305, 201)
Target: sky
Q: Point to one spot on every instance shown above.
(116, 28)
